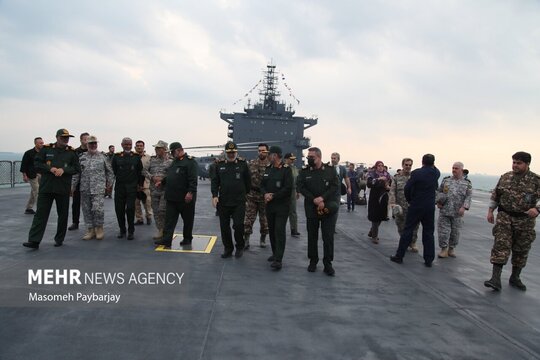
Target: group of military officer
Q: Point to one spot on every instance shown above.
(267, 185)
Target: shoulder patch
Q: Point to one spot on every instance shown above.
(48, 145)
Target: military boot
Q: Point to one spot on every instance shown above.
(495, 281)
(246, 241)
(158, 235)
(451, 252)
(90, 234)
(515, 281)
(413, 248)
(263, 241)
(443, 253)
(99, 233)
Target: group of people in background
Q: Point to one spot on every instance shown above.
(165, 186)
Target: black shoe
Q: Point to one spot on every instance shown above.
(32, 245)
(396, 259)
(185, 242)
(121, 234)
(276, 265)
(295, 234)
(226, 255)
(139, 222)
(73, 226)
(164, 243)
(312, 266)
(57, 243)
(149, 221)
(29, 212)
(130, 236)
(428, 263)
(516, 283)
(329, 270)
(271, 258)
(246, 247)
(238, 253)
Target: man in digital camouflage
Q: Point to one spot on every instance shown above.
(517, 200)
(453, 199)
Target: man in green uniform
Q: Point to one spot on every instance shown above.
(180, 184)
(231, 181)
(293, 217)
(276, 186)
(127, 168)
(56, 163)
(318, 183)
(517, 200)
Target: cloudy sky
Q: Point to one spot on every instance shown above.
(387, 79)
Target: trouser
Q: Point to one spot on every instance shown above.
(255, 204)
(76, 205)
(277, 225)
(34, 191)
(449, 228)
(237, 213)
(147, 206)
(124, 206)
(158, 208)
(293, 216)
(328, 226)
(172, 211)
(512, 235)
(375, 228)
(400, 223)
(426, 217)
(93, 207)
(39, 223)
(351, 198)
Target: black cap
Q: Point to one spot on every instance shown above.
(231, 147)
(175, 145)
(63, 132)
(275, 150)
(290, 156)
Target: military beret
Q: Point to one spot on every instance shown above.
(175, 145)
(63, 132)
(275, 150)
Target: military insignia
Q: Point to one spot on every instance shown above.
(278, 184)
(237, 176)
(177, 170)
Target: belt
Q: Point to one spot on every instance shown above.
(513, 213)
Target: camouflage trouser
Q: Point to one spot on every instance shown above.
(147, 206)
(512, 234)
(293, 217)
(449, 228)
(254, 204)
(93, 207)
(400, 222)
(158, 207)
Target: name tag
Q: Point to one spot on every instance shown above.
(237, 176)
(278, 184)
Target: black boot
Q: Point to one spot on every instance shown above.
(495, 281)
(515, 281)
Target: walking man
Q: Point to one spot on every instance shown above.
(56, 163)
(30, 175)
(76, 205)
(517, 200)
(293, 216)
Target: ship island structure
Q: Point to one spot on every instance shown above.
(269, 121)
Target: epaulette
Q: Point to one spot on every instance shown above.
(221, 161)
(305, 167)
(70, 148)
(49, 145)
(285, 165)
(268, 165)
(190, 157)
(120, 153)
(329, 164)
(241, 159)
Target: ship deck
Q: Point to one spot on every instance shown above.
(241, 309)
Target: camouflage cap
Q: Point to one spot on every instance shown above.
(161, 144)
(175, 145)
(92, 139)
(231, 147)
(63, 132)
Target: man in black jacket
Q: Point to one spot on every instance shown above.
(30, 175)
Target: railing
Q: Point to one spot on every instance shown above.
(10, 173)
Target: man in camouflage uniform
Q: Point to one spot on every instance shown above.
(293, 217)
(76, 196)
(155, 172)
(109, 155)
(147, 203)
(399, 204)
(96, 176)
(255, 198)
(517, 199)
(453, 199)
(56, 163)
